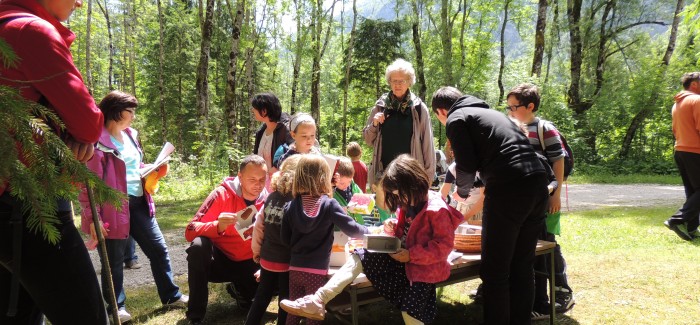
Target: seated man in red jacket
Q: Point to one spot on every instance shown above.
(218, 253)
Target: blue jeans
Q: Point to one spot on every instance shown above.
(115, 253)
(146, 232)
(130, 251)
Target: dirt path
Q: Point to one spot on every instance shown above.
(580, 197)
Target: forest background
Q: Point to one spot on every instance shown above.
(607, 69)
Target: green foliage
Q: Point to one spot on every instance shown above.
(38, 166)
(7, 56)
(378, 44)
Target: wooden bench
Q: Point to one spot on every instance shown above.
(361, 292)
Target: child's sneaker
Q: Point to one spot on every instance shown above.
(564, 300)
(305, 307)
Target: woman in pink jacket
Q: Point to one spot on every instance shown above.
(406, 278)
(118, 158)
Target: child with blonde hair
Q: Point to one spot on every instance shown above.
(307, 228)
(268, 249)
(407, 278)
(302, 127)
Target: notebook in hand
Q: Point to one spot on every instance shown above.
(382, 244)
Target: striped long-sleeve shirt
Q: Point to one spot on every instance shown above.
(552, 142)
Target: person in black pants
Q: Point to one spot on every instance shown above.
(687, 156)
(516, 195)
(57, 280)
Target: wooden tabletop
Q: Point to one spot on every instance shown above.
(462, 262)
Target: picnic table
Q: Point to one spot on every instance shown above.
(361, 292)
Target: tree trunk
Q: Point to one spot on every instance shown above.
(250, 88)
(420, 65)
(297, 55)
(501, 89)
(348, 62)
(462, 47)
(231, 80)
(554, 36)
(161, 61)
(573, 11)
(540, 30)
(110, 44)
(132, 54)
(319, 51)
(651, 103)
(202, 82)
(446, 40)
(88, 28)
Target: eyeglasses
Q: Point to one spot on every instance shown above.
(514, 107)
(398, 82)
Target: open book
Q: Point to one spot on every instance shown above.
(244, 221)
(163, 158)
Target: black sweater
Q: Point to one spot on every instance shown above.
(310, 239)
(272, 248)
(485, 140)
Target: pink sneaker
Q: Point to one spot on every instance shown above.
(305, 307)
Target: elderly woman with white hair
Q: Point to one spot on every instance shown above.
(399, 123)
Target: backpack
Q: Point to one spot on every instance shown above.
(568, 158)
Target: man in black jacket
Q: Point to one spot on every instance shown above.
(486, 141)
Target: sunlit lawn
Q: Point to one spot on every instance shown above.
(625, 268)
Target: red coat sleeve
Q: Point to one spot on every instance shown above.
(205, 221)
(48, 66)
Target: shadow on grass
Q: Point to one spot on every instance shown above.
(155, 313)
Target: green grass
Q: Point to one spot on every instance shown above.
(625, 268)
(175, 215)
(606, 178)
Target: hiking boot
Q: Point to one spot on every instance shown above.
(180, 302)
(124, 316)
(305, 307)
(535, 315)
(681, 229)
(132, 265)
(564, 300)
(242, 302)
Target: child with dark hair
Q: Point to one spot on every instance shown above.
(406, 278)
(307, 228)
(523, 103)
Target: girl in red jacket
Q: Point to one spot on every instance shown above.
(406, 278)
